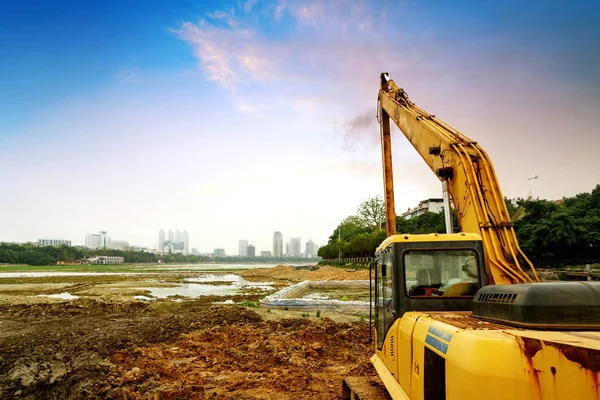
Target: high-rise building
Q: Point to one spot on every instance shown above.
(251, 251)
(96, 240)
(287, 249)
(277, 245)
(161, 240)
(177, 236)
(53, 242)
(170, 236)
(185, 238)
(295, 247)
(243, 248)
(219, 253)
(311, 249)
(195, 251)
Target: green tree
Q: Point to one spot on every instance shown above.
(371, 213)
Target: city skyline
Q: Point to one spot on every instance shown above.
(131, 118)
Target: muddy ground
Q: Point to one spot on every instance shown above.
(98, 347)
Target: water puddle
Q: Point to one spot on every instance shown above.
(200, 286)
(63, 296)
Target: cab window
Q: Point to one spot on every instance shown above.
(449, 273)
(384, 310)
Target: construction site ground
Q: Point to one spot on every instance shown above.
(108, 345)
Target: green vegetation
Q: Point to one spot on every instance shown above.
(318, 313)
(250, 304)
(33, 255)
(552, 234)
(566, 233)
(359, 235)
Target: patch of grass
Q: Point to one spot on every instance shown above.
(250, 304)
(305, 315)
(362, 319)
(318, 313)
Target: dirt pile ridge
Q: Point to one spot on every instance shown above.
(87, 349)
(289, 359)
(322, 273)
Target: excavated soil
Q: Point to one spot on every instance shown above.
(194, 349)
(324, 273)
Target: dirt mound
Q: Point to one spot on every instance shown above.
(290, 359)
(165, 350)
(58, 350)
(324, 273)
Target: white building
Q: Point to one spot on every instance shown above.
(170, 236)
(429, 205)
(185, 238)
(243, 248)
(96, 240)
(277, 244)
(177, 236)
(266, 253)
(161, 239)
(105, 260)
(295, 247)
(310, 250)
(53, 242)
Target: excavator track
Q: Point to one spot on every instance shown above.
(364, 388)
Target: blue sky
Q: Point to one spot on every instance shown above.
(236, 119)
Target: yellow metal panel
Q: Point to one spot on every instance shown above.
(429, 237)
(405, 361)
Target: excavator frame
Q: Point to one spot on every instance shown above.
(501, 334)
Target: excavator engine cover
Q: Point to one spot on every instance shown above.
(552, 305)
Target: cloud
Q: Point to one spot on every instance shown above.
(128, 75)
(363, 126)
(248, 108)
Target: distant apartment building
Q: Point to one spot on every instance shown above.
(310, 250)
(251, 251)
(178, 242)
(195, 251)
(219, 253)
(277, 245)
(429, 205)
(96, 240)
(243, 248)
(287, 250)
(295, 247)
(161, 240)
(53, 242)
(266, 253)
(105, 260)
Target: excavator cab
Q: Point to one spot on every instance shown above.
(433, 272)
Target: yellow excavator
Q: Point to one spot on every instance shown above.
(463, 315)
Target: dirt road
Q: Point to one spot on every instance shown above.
(192, 349)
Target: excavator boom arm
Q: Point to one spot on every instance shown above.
(471, 181)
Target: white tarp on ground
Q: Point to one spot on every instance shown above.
(291, 298)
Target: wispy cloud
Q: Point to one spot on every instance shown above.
(128, 74)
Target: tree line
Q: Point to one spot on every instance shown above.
(550, 233)
(31, 254)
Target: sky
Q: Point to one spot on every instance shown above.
(237, 119)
